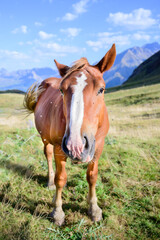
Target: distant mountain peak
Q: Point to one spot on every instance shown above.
(127, 61)
(23, 78)
(147, 73)
(152, 45)
(123, 67)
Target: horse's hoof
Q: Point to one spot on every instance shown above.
(51, 186)
(95, 213)
(58, 216)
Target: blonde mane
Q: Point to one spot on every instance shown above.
(77, 65)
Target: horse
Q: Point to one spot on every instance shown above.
(72, 120)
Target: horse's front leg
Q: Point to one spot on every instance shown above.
(48, 151)
(94, 211)
(60, 181)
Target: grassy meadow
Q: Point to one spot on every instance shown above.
(128, 186)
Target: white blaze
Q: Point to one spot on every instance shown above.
(77, 108)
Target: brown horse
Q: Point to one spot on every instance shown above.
(70, 114)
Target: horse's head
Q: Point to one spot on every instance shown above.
(82, 88)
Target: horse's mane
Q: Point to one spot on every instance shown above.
(77, 65)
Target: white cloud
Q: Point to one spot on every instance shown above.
(52, 49)
(14, 60)
(21, 29)
(24, 29)
(8, 82)
(141, 36)
(43, 35)
(38, 24)
(12, 54)
(71, 32)
(36, 77)
(137, 19)
(105, 34)
(69, 17)
(21, 43)
(157, 37)
(105, 39)
(55, 47)
(29, 42)
(78, 8)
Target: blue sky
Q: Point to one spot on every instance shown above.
(34, 32)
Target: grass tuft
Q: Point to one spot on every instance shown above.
(128, 186)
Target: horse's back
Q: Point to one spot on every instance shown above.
(51, 82)
(49, 118)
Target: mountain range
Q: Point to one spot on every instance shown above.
(22, 79)
(146, 73)
(123, 67)
(127, 61)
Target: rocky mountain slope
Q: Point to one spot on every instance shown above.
(127, 61)
(146, 73)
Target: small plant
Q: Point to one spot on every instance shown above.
(110, 141)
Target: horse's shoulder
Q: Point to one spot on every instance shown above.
(104, 121)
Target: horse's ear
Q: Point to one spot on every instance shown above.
(107, 61)
(61, 68)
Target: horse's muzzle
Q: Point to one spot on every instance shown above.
(88, 149)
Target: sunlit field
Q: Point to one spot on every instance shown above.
(128, 186)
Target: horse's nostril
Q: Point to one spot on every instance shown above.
(86, 143)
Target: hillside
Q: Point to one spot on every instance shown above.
(128, 177)
(12, 91)
(127, 61)
(146, 73)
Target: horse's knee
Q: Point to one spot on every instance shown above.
(92, 173)
(60, 180)
(92, 178)
(48, 151)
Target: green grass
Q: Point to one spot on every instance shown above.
(128, 186)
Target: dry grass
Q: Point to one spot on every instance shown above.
(12, 115)
(134, 120)
(128, 186)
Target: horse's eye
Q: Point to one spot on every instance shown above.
(61, 91)
(100, 91)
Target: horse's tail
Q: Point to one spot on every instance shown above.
(31, 97)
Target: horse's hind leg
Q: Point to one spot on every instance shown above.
(48, 151)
